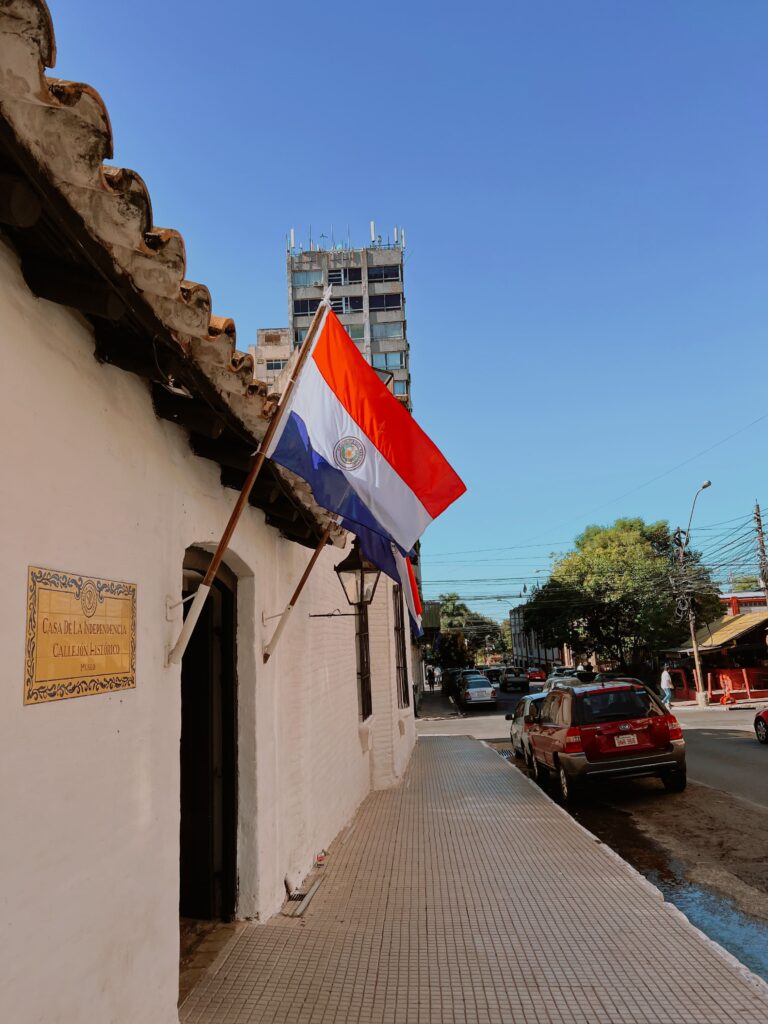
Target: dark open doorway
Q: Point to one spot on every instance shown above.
(208, 830)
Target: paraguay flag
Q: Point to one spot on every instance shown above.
(360, 450)
(382, 553)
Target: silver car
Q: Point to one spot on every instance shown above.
(476, 689)
(518, 729)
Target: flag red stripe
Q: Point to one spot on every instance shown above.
(402, 442)
(414, 588)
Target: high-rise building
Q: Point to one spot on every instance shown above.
(367, 296)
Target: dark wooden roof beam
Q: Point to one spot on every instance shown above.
(187, 412)
(72, 286)
(20, 205)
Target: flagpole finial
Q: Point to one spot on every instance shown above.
(327, 295)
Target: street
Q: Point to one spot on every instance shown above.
(703, 848)
(721, 748)
(723, 753)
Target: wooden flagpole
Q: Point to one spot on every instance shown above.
(204, 589)
(270, 648)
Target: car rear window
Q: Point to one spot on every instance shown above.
(475, 682)
(612, 705)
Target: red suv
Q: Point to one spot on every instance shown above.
(605, 730)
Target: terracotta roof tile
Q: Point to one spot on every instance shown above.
(66, 128)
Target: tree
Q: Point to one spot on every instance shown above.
(465, 634)
(613, 595)
(742, 583)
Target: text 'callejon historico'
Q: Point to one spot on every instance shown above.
(81, 636)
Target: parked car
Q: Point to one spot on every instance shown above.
(556, 675)
(559, 671)
(454, 681)
(513, 678)
(535, 676)
(493, 674)
(761, 726)
(521, 723)
(476, 689)
(587, 730)
(449, 681)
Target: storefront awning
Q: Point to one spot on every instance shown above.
(723, 630)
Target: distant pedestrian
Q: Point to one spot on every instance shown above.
(431, 678)
(667, 686)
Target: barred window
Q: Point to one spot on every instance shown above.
(345, 275)
(364, 700)
(347, 304)
(401, 663)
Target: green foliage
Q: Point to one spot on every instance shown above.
(466, 635)
(613, 595)
(740, 583)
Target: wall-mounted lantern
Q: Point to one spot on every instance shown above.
(358, 578)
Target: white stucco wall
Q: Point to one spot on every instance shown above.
(93, 483)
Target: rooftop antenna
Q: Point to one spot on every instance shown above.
(310, 238)
(349, 238)
(293, 239)
(373, 233)
(402, 236)
(333, 238)
(322, 236)
(395, 234)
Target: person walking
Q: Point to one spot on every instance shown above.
(430, 678)
(667, 686)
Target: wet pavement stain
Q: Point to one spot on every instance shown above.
(743, 936)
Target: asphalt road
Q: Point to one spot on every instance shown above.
(722, 752)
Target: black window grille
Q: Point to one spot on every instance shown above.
(347, 304)
(364, 700)
(345, 275)
(401, 662)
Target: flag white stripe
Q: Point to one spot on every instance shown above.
(405, 583)
(389, 498)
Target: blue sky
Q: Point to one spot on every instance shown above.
(583, 189)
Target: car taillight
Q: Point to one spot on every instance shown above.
(493, 693)
(573, 742)
(675, 731)
(466, 695)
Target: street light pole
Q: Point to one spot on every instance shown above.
(701, 696)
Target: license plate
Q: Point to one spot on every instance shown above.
(626, 741)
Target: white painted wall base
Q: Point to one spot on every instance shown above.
(93, 483)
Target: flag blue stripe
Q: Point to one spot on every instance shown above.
(331, 490)
(329, 485)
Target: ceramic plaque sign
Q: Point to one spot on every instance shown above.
(81, 636)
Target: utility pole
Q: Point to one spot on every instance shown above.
(685, 597)
(762, 559)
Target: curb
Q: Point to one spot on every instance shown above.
(753, 980)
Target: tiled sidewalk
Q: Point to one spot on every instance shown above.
(465, 895)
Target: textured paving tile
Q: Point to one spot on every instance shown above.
(465, 895)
